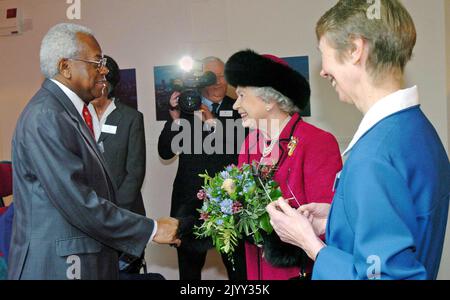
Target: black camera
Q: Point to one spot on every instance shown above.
(190, 87)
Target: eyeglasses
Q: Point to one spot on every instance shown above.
(100, 64)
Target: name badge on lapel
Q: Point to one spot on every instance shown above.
(336, 181)
(226, 113)
(109, 129)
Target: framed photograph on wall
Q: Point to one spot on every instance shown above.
(126, 89)
(301, 65)
(164, 75)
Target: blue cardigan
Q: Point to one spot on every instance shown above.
(389, 213)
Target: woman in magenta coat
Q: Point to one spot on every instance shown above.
(304, 159)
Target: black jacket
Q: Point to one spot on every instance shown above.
(187, 182)
(124, 153)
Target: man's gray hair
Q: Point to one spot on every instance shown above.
(209, 59)
(60, 42)
(268, 94)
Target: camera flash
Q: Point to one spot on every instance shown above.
(187, 63)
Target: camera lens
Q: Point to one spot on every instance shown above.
(189, 101)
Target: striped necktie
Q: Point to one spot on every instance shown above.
(88, 119)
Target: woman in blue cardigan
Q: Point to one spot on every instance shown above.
(389, 213)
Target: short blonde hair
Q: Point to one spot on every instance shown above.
(391, 37)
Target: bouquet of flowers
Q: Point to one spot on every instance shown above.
(234, 205)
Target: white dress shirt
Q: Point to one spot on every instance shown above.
(209, 104)
(76, 100)
(210, 125)
(99, 123)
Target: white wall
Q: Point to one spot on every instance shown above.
(143, 33)
(445, 270)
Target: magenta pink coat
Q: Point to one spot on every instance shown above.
(309, 160)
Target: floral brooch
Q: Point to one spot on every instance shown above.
(292, 145)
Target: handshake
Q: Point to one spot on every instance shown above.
(166, 232)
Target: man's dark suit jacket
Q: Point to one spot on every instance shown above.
(124, 153)
(66, 223)
(187, 182)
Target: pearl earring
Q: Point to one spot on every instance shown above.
(267, 108)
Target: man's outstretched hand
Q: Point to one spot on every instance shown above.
(167, 231)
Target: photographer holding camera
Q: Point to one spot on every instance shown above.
(215, 108)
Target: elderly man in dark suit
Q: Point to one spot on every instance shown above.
(67, 224)
(221, 128)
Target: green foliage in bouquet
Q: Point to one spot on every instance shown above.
(234, 205)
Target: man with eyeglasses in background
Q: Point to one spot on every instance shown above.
(67, 224)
